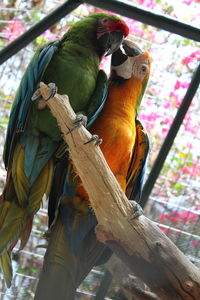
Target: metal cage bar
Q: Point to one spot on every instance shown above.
(148, 17)
(38, 29)
(128, 10)
(166, 146)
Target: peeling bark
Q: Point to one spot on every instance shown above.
(137, 241)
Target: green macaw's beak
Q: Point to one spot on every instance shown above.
(110, 42)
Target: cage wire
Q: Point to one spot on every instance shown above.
(174, 202)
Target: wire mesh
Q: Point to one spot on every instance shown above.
(174, 203)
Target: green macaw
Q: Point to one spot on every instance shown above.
(73, 248)
(34, 141)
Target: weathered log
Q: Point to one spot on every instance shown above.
(137, 241)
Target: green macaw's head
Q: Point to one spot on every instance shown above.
(106, 32)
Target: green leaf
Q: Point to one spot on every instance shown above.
(33, 269)
(21, 271)
(178, 187)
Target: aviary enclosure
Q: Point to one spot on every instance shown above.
(170, 112)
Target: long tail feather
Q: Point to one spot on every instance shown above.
(26, 233)
(15, 222)
(21, 182)
(40, 187)
(4, 207)
(6, 266)
(22, 201)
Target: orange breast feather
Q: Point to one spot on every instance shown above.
(116, 126)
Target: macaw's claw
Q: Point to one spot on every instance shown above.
(95, 138)
(137, 210)
(53, 90)
(36, 95)
(79, 121)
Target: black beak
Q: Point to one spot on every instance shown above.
(118, 58)
(126, 50)
(110, 42)
(132, 50)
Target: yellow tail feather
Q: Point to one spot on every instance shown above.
(6, 266)
(40, 187)
(4, 207)
(21, 182)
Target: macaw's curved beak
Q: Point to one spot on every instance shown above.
(110, 42)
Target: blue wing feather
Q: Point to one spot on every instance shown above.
(98, 98)
(135, 176)
(67, 190)
(22, 101)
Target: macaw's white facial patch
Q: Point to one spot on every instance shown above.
(134, 66)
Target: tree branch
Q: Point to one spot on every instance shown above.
(138, 242)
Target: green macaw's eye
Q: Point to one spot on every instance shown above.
(104, 20)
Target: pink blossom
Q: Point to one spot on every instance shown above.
(169, 217)
(192, 170)
(165, 130)
(48, 35)
(167, 120)
(190, 146)
(176, 176)
(186, 170)
(177, 217)
(188, 216)
(177, 100)
(195, 243)
(179, 84)
(148, 125)
(165, 230)
(191, 57)
(150, 117)
(15, 29)
(173, 219)
(147, 3)
(190, 128)
(188, 2)
(166, 104)
(135, 28)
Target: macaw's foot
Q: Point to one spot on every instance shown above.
(96, 139)
(137, 210)
(79, 121)
(53, 90)
(36, 95)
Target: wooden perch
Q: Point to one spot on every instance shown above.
(138, 242)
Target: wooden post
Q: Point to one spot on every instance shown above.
(138, 242)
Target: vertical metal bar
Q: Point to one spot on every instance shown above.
(148, 17)
(194, 84)
(38, 28)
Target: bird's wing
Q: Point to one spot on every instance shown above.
(67, 188)
(22, 102)
(137, 167)
(98, 98)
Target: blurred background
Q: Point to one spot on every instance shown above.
(174, 203)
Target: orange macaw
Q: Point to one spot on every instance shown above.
(73, 248)
(125, 142)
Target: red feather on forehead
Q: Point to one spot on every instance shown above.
(119, 26)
